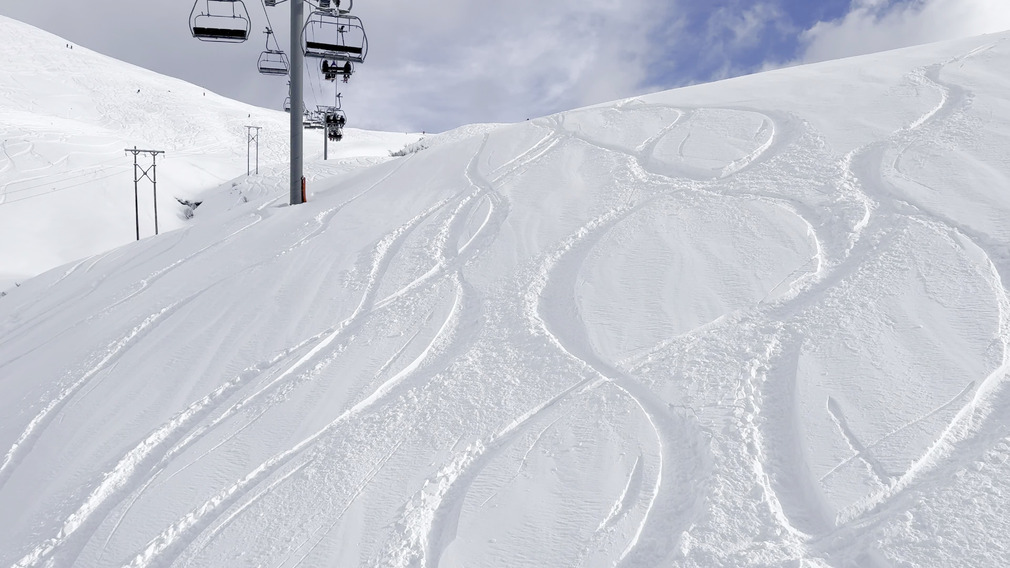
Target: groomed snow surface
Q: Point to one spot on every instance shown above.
(759, 322)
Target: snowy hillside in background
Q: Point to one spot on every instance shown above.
(760, 322)
(66, 116)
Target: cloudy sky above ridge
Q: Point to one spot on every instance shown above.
(436, 65)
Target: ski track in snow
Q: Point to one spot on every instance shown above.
(668, 511)
(25, 441)
(666, 490)
(169, 543)
(176, 538)
(968, 423)
(880, 209)
(119, 479)
(431, 527)
(828, 269)
(434, 529)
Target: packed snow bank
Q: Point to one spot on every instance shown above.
(754, 323)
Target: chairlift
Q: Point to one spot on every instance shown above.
(223, 21)
(272, 61)
(333, 119)
(336, 117)
(333, 35)
(333, 69)
(313, 120)
(332, 116)
(287, 104)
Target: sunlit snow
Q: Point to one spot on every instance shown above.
(760, 322)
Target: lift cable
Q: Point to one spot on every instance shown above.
(67, 176)
(60, 189)
(270, 26)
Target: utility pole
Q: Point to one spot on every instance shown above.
(150, 173)
(297, 100)
(250, 138)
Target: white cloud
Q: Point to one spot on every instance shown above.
(745, 28)
(497, 61)
(732, 32)
(877, 25)
(430, 65)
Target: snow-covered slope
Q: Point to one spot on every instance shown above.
(66, 116)
(760, 322)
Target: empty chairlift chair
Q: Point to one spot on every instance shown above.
(272, 61)
(219, 21)
(334, 36)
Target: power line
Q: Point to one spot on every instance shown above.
(59, 190)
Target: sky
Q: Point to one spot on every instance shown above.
(434, 66)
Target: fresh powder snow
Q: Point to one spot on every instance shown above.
(760, 322)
